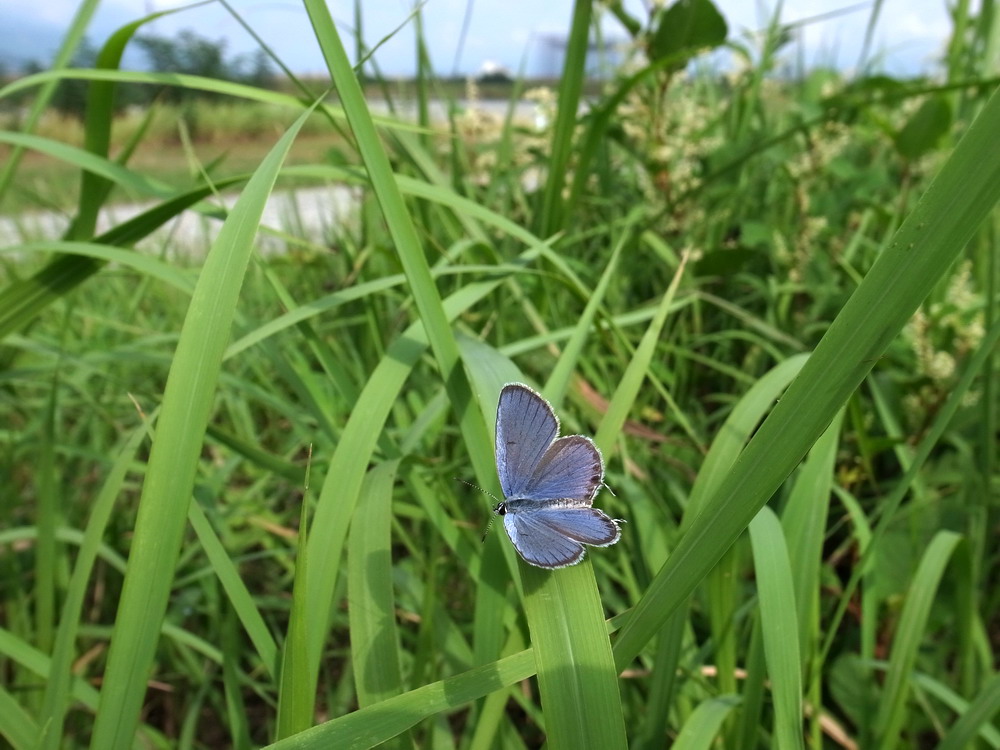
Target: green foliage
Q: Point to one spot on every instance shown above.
(232, 516)
(925, 129)
(685, 28)
(188, 53)
(194, 54)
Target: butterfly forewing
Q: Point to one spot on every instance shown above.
(526, 428)
(571, 469)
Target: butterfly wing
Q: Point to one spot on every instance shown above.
(584, 525)
(553, 537)
(526, 427)
(539, 543)
(571, 469)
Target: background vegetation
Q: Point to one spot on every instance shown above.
(230, 514)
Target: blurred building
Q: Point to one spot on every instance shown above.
(604, 55)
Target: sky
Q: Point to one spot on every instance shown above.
(908, 39)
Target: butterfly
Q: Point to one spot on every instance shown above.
(549, 483)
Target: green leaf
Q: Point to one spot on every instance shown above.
(685, 28)
(924, 130)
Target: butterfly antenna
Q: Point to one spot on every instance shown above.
(488, 525)
(485, 492)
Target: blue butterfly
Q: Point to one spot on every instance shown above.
(549, 483)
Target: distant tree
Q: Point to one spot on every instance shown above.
(257, 69)
(70, 96)
(193, 54)
(187, 53)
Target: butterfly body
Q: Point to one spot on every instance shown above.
(549, 483)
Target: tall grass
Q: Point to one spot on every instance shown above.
(232, 516)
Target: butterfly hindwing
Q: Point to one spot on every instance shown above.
(540, 544)
(585, 525)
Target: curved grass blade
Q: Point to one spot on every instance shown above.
(98, 119)
(17, 726)
(375, 724)
(371, 603)
(187, 404)
(55, 701)
(779, 626)
(912, 626)
(702, 727)
(637, 369)
(975, 718)
(339, 494)
(24, 300)
(559, 378)
(74, 35)
(570, 89)
(240, 598)
(404, 235)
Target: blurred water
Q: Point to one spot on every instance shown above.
(313, 214)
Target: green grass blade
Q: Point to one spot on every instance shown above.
(371, 603)
(570, 88)
(295, 697)
(779, 626)
(702, 727)
(98, 119)
(17, 726)
(24, 654)
(577, 680)
(924, 248)
(56, 699)
(375, 724)
(637, 370)
(397, 217)
(748, 731)
(974, 718)
(339, 494)
(737, 429)
(559, 378)
(144, 264)
(74, 35)
(236, 710)
(240, 599)
(187, 404)
(912, 628)
(804, 521)
(407, 244)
